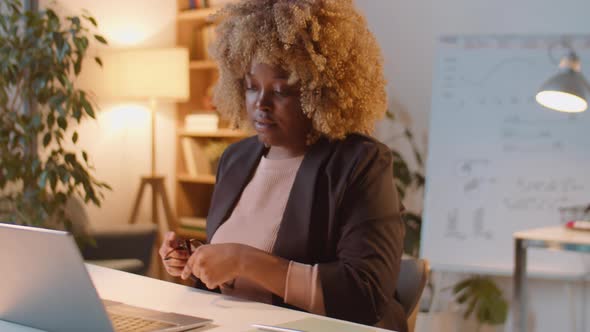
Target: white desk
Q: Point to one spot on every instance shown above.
(557, 237)
(228, 314)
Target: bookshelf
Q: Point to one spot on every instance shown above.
(202, 65)
(195, 179)
(194, 15)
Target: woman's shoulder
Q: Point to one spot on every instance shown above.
(236, 152)
(361, 146)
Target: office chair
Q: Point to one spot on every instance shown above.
(122, 247)
(412, 280)
(117, 246)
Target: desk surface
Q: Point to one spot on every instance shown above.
(228, 314)
(557, 234)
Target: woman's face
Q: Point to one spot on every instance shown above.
(274, 107)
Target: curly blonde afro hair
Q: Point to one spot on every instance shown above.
(324, 45)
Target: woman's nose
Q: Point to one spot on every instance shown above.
(264, 100)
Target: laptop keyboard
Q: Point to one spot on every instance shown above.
(124, 323)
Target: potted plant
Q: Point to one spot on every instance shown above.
(408, 181)
(479, 295)
(40, 166)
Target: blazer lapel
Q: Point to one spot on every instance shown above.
(228, 190)
(293, 237)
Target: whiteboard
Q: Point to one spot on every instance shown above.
(498, 162)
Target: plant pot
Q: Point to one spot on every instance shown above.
(450, 322)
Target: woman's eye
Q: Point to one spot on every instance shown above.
(283, 92)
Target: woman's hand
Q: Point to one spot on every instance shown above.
(216, 264)
(174, 260)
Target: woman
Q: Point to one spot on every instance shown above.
(305, 214)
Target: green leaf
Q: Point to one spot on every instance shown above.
(75, 20)
(78, 66)
(35, 165)
(77, 112)
(98, 60)
(62, 122)
(483, 298)
(52, 180)
(62, 52)
(51, 14)
(43, 179)
(85, 156)
(87, 107)
(101, 39)
(389, 115)
(62, 79)
(36, 121)
(46, 139)
(418, 157)
(58, 97)
(401, 190)
(470, 307)
(408, 134)
(16, 8)
(91, 20)
(84, 41)
(59, 40)
(75, 137)
(70, 158)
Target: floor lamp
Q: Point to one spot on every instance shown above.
(155, 75)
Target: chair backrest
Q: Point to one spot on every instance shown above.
(411, 282)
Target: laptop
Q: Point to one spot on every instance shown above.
(44, 284)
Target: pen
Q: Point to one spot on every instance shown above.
(274, 328)
(579, 224)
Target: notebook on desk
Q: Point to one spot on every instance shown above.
(322, 325)
(46, 285)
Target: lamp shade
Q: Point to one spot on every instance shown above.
(161, 74)
(565, 92)
(568, 90)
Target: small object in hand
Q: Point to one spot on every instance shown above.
(186, 245)
(578, 225)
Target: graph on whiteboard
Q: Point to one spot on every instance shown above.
(498, 162)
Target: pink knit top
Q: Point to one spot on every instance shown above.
(255, 221)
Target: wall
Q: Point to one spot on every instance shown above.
(407, 31)
(119, 141)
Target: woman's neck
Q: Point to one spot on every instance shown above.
(281, 152)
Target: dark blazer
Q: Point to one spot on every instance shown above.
(343, 213)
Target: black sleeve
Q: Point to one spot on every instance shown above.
(219, 173)
(220, 165)
(360, 285)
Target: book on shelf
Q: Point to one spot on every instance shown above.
(201, 4)
(193, 223)
(208, 122)
(202, 37)
(208, 35)
(198, 4)
(196, 161)
(219, 3)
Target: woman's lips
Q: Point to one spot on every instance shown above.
(263, 125)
